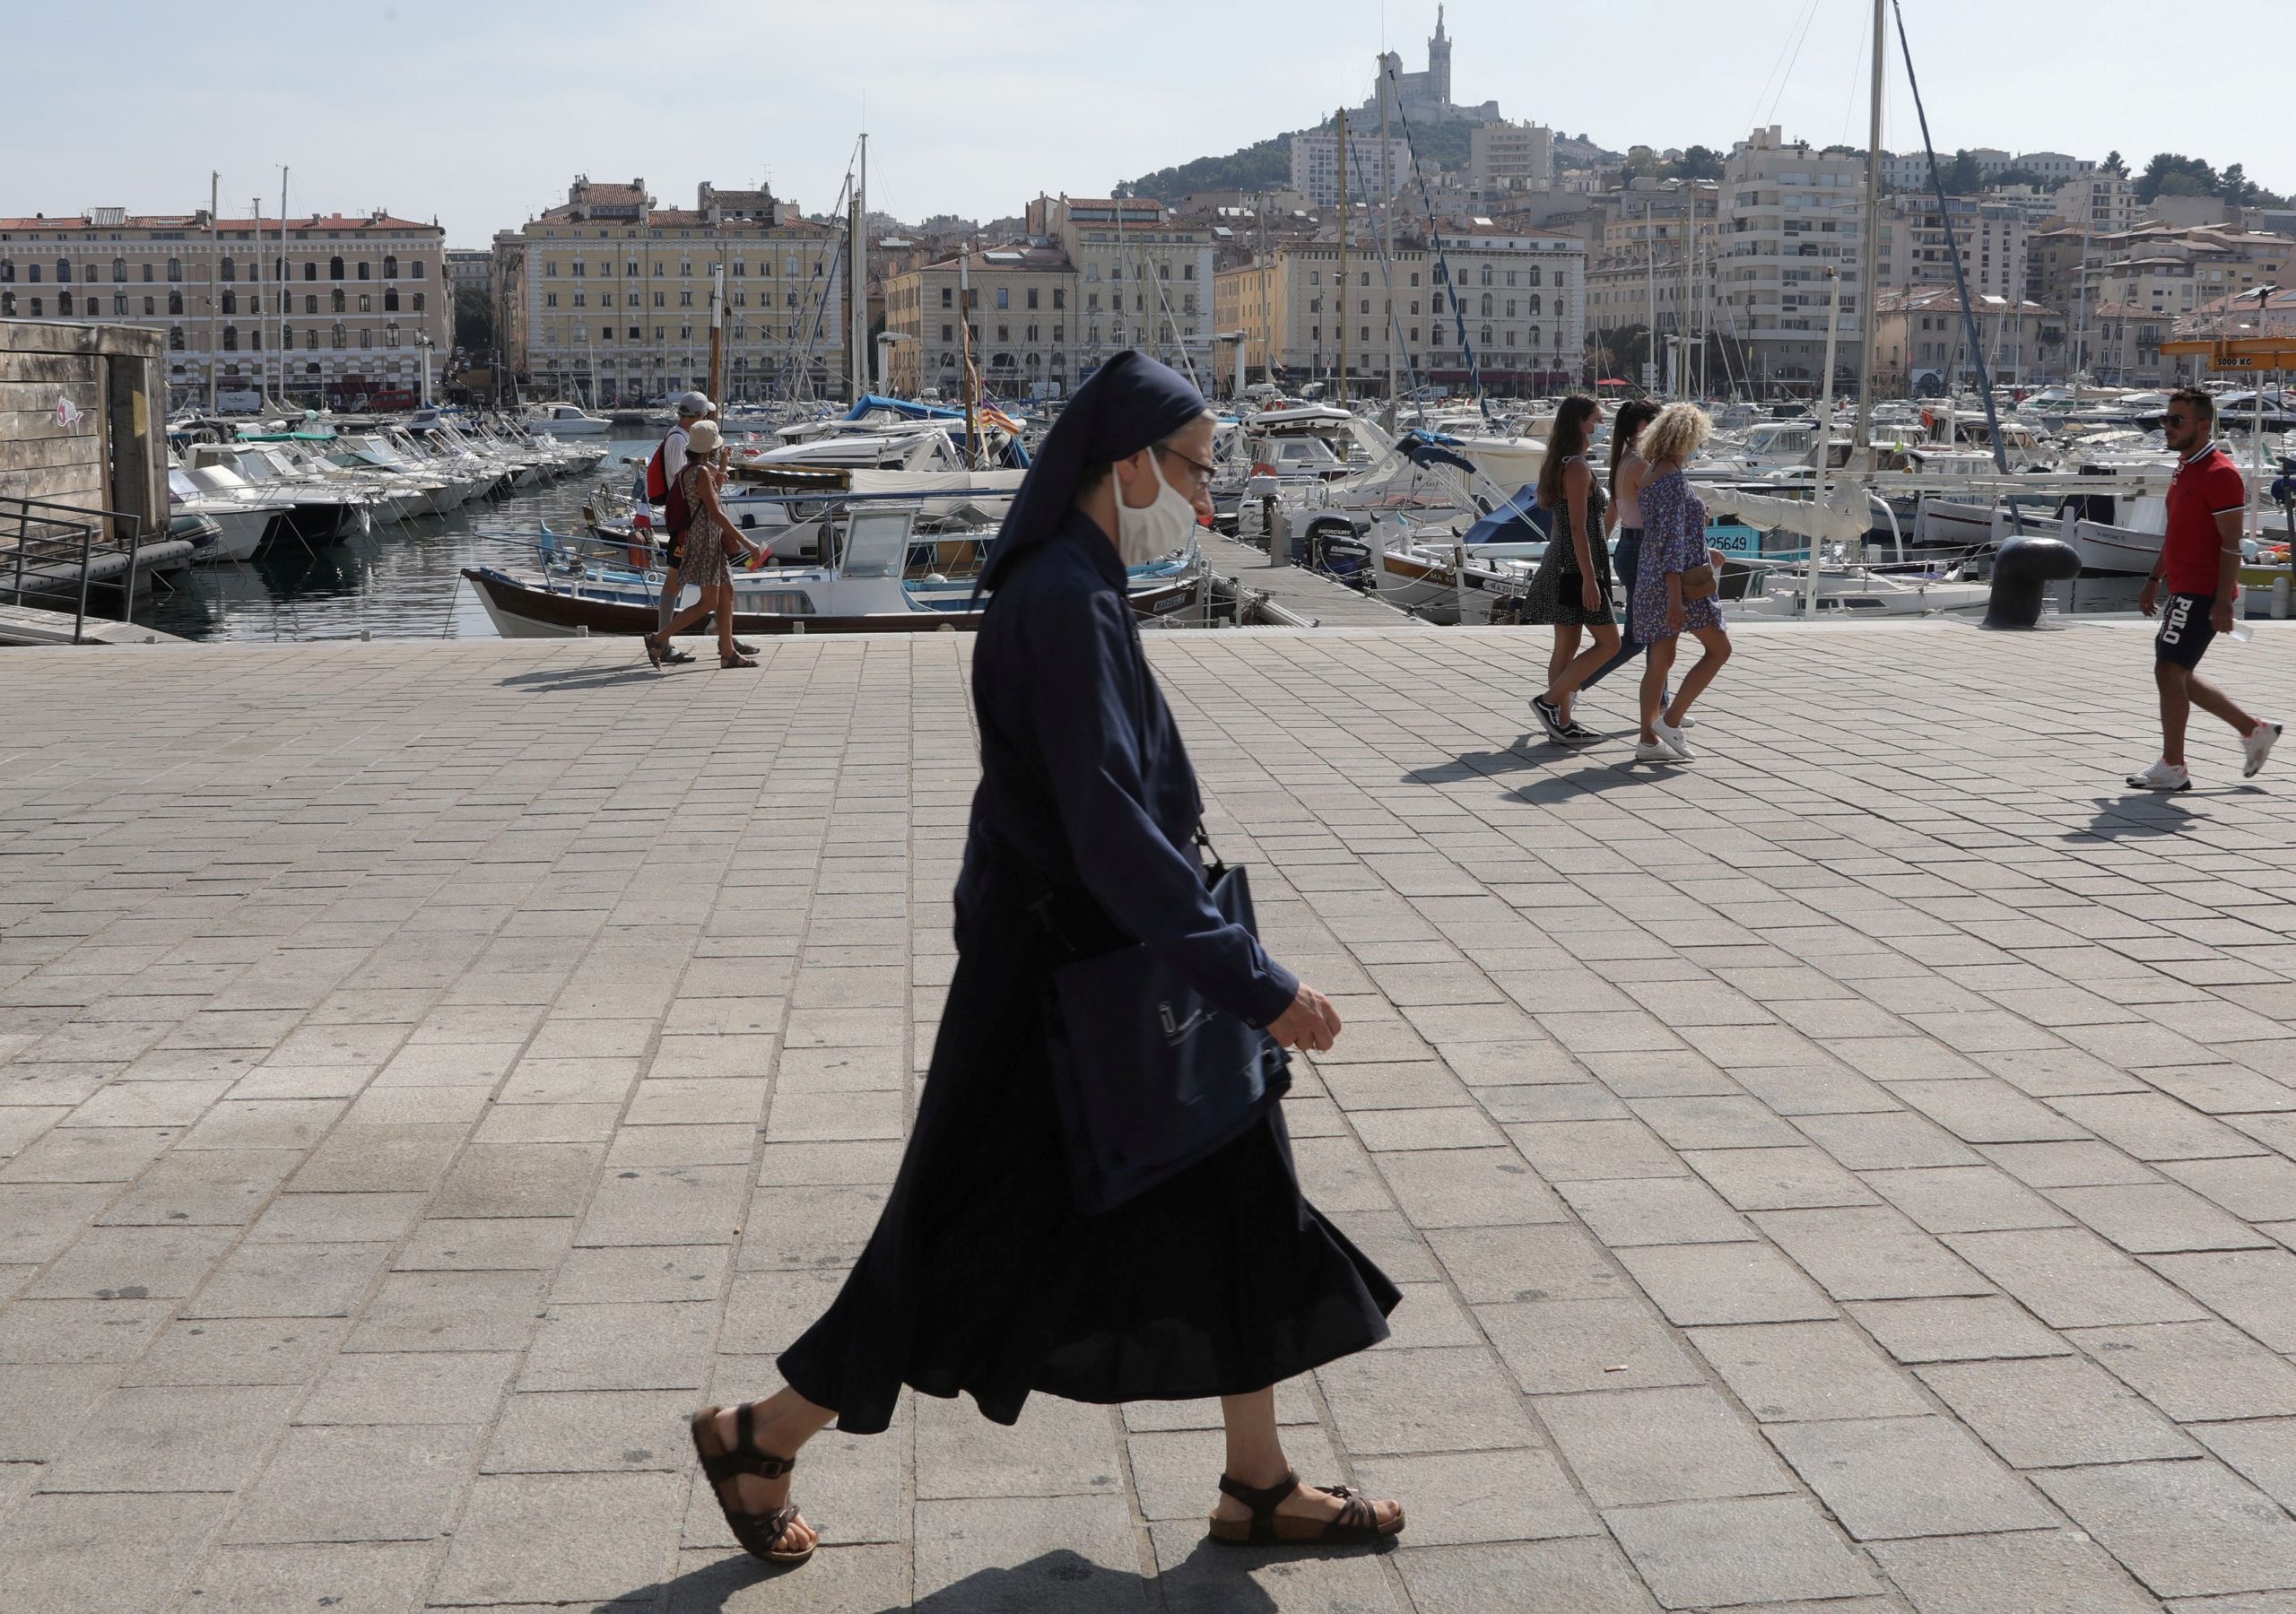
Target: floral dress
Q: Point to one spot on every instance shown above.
(704, 567)
(1673, 540)
(1556, 594)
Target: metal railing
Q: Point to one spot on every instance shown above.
(54, 550)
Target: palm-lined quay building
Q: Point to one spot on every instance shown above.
(329, 309)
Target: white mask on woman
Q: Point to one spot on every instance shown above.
(1156, 529)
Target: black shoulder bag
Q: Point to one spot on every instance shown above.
(1149, 1077)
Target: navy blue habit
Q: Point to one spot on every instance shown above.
(982, 1276)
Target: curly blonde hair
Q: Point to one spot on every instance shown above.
(1676, 434)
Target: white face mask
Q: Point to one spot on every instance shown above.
(1157, 529)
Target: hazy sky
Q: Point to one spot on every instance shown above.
(479, 111)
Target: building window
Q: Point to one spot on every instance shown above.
(335, 271)
(362, 269)
(390, 336)
(1004, 300)
(661, 300)
(230, 339)
(1032, 297)
(311, 305)
(390, 271)
(948, 297)
(174, 337)
(686, 300)
(151, 306)
(418, 269)
(230, 271)
(310, 342)
(36, 308)
(948, 332)
(390, 299)
(175, 269)
(335, 336)
(311, 269)
(119, 269)
(231, 302)
(63, 271)
(1059, 299)
(287, 336)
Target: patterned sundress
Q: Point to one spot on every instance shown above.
(1555, 595)
(704, 567)
(1673, 540)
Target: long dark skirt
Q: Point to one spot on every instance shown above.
(982, 1277)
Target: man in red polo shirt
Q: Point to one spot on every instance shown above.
(2201, 559)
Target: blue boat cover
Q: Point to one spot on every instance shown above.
(1519, 520)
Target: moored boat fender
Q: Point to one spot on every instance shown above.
(2019, 571)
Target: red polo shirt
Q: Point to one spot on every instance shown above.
(2204, 486)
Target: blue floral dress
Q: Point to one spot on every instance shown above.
(1673, 540)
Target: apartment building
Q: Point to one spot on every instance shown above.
(606, 298)
(1144, 277)
(1315, 163)
(1989, 238)
(2104, 202)
(1506, 307)
(1021, 305)
(1643, 270)
(1506, 157)
(1921, 340)
(1788, 213)
(331, 309)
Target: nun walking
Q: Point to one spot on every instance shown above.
(987, 1274)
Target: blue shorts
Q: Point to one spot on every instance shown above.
(2186, 629)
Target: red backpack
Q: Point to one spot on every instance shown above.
(662, 488)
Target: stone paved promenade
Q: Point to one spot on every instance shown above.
(1852, 1174)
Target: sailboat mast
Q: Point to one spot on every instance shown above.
(1870, 282)
(1387, 234)
(279, 323)
(858, 336)
(1340, 303)
(214, 275)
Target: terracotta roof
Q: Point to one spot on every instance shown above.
(327, 223)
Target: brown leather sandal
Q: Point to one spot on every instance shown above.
(1357, 1525)
(761, 1534)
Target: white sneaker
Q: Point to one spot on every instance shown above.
(1647, 751)
(1690, 720)
(2164, 776)
(1673, 735)
(2258, 746)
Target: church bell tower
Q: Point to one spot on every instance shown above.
(1439, 62)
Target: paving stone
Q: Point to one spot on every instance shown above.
(1387, 1402)
(375, 1484)
(1884, 1143)
(1527, 1264)
(1467, 1188)
(2183, 1528)
(203, 1188)
(839, 1579)
(1869, 1253)
(290, 1281)
(371, 1578)
(39, 1407)
(336, 1219)
(451, 1311)
(1034, 1554)
(620, 1346)
(1698, 1555)
(1575, 1150)
(2158, 1218)
(61, 1553)
(1796, 1372)
(1638, 1210)
(1778, 1179)
(2153, 1126)
(1584, 1576)
(2253, 1290)
(38, 1220)
(1551, 1346)
(2261, 1451)
(380, 1159)
(1482, 1497)
(2071, 1278)
(559, 1538)
(2054, 1412)
(2028, 1572)
(78, 1330)
(293, 1350)
(1632, 1446)
(1965, 1199)
(1724, 1284)
(591, 1432)
(2068, 1165)
(133, 1264)
(1956, 1330)
(1986, 1111)
(518, 1179)
(2194, 1371)
(1896, 1477)
(2254, 1188)
(1174, 1471)
(171, 1439)
(686, 1204)
(411, 1388)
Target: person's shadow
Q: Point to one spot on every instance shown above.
(2143, 814)
(550, 679)
(1213, 1577)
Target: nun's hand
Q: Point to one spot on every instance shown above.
(1310, 1024)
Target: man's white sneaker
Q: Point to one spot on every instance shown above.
(1646, 751)
(1673, 736)
(2258, 746)
(2160, 775)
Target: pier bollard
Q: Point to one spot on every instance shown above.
(2280, 599)
(2021, 572)
(1278, 535)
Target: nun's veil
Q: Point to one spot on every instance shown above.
(1128, 404)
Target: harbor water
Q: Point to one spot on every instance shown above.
(401, 581)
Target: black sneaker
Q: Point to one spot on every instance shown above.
(1578, 734)
(1549, 718)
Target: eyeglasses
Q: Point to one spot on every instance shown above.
(2176, 420)
(1200, 473)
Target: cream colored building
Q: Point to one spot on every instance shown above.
(1022, 307)
(1989, 236)
(1639, 273)
(1507, 157)
(1921, 340)
(1790, 212)
(1144, 278)
(606, 299)
(1518, 300)
(336, 310)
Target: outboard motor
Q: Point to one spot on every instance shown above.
(2021, 570)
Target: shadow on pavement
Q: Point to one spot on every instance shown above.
(584, 678)
(1060, 1581)
(2151, 812)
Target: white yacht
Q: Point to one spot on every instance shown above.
(566, 419)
